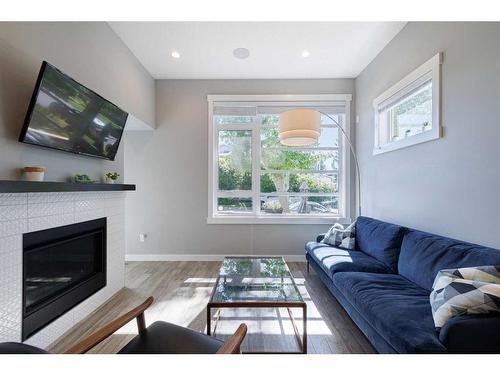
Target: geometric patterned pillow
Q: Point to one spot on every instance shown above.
(461, 291)
(342, 238)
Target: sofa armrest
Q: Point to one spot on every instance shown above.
(320, 237)
(472, 334)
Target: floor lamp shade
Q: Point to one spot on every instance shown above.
(299, 127)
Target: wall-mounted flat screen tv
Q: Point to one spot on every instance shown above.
(67, 116)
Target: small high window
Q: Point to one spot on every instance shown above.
(408, 112)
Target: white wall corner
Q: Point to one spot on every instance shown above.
(135, 124)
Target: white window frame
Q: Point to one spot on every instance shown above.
(344, 215)
(429, 71)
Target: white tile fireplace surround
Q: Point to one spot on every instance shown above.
(28, 212)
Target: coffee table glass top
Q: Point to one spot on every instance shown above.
(245, 279)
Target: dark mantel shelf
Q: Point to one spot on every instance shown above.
(12, 186)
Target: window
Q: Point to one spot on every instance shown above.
(408, 113)
(255, 179)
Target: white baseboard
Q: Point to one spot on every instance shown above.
(199, 257)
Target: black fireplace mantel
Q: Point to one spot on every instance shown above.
(12, 186)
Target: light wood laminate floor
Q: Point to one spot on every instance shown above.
(181, 291)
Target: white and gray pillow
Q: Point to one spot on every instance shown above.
(338, 236)
(462, 291)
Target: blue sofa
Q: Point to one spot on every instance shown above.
(385, 283)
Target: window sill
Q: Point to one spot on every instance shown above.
(427, 136)
(328, 220)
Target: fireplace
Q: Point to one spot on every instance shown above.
(62, 267)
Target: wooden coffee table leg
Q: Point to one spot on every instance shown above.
(304, 333)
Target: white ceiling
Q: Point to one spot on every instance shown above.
(337, 49)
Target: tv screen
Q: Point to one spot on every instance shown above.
(65, 115)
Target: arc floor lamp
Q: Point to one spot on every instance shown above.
(302, 127)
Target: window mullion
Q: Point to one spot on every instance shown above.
(234, 194)
(341, 176)
(256, 166)
(214, 157)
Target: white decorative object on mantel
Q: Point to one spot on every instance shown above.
(408, 113)
(34, 173)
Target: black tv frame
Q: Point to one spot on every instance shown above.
(31, 106)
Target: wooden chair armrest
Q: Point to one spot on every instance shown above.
(232, 345)
(88, 343)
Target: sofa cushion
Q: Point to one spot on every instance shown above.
(380, 240)
(332, 259)
(396, 308)
(423, 255)
(472, 334)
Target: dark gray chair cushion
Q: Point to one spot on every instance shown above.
(19, 348)
(166, 338)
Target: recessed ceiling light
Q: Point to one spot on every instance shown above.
(241, 53)
(176, 54)
(305, 53)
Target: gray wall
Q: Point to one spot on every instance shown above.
(450, 186)
(89, 52)
(170, 166)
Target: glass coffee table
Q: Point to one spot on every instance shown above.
(248, 282)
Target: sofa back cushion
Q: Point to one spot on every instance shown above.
(423, 255)
(380, 240)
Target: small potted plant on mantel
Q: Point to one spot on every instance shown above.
(111, 177)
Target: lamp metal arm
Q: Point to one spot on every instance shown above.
(351, 147)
